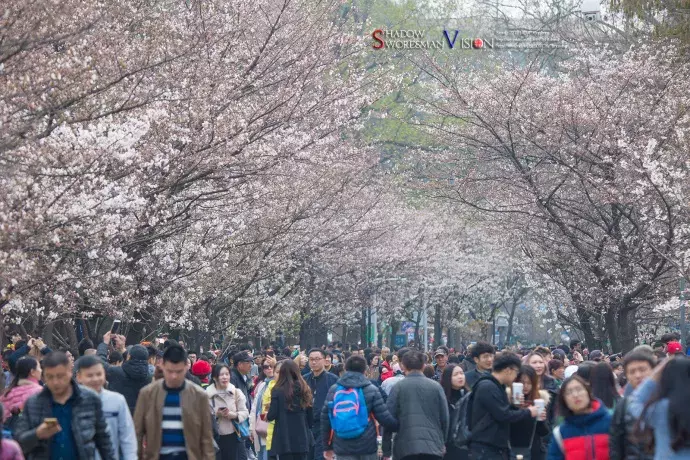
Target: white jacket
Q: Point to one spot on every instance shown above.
(120, 424)
(233, 399)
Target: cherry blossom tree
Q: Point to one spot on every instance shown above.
(585, 165)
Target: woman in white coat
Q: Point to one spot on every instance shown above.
(228, 405)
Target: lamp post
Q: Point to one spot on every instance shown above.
(682, 298)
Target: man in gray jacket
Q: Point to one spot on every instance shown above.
(91, 374)
(419, 405)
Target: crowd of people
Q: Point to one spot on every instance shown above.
(167, 402)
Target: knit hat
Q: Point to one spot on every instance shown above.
(674, 347)
(201, 368)
(570, 371)
(559, 352)
(596, 355)
(139, 353)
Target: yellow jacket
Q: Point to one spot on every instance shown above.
(265, 404)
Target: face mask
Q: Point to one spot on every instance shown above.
(335, 360)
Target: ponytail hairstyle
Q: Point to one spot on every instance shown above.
(22, 370)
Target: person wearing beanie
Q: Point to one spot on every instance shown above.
(131, 377)
(596, 355)
(674, 348)
(570, 371)
(202, 370)
(560, 355)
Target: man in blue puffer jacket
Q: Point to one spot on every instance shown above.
(364, 447)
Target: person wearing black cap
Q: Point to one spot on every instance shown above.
(239, 377)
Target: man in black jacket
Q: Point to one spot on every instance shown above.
(81, 428)
(320, 382)
(491, 413)
(132, 376)
(239, 377)
(364, 446)
(623, 444)
(483, 356)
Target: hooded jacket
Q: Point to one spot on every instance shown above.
(231, 398)
(585, 437)
(128, 379)
(365, 444)
(14, 401)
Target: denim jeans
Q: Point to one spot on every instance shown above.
(487, 452)
(358, 457)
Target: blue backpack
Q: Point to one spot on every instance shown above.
(348, 412)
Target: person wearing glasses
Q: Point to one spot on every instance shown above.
(320, 382)
(585, 431)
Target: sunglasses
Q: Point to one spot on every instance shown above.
(268, 367)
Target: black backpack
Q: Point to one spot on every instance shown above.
(460, 421)
(11, 423)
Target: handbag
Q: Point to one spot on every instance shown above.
(242, 429)
(261, 426)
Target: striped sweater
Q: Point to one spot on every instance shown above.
(173, 434)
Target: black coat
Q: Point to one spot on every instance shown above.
(319, 389)
(292, 430)
(622, 442)
(474, 375)
(238, 381)
(89, 428)
(489, 399)
(127, 379)
(365, 444)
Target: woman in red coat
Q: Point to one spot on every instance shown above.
(584, 435)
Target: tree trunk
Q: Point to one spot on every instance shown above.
(417, 322)
(584, 318)
(363, 327)
(620, 328)
(437, 326)
(511, 317)
(395, 325)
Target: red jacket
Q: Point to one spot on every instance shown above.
(387, 372)
(583, 437)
